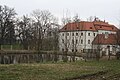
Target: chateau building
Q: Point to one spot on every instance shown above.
(79, 36)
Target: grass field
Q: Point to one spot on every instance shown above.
(57, 71)
(14, 47)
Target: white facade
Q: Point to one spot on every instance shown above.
(106, 32)
(79, 41)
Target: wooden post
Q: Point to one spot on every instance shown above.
(11, 47)
(28, 48)
(28, 58)
(108, 52)
(1, 47)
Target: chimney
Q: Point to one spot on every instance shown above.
(104, 21)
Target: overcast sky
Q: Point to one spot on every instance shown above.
(104, 9)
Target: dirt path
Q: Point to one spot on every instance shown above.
(98, 76)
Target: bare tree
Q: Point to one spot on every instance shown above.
(7, 33)
(65, 41)
(117, 36)
(91, 18)
(54, 41)
(76, 37)
(25, 30)
(71, 39)
(76, 18)
(43, 22)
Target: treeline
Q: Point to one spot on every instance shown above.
(38, 31)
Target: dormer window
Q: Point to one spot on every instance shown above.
(65, 28)
(77, 27)
(90, 27)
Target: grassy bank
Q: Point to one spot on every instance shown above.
(13, 47)
(56, 71)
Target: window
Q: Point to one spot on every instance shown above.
(88, 34)
(81, 34)
(67, 34)
(76, 41)
(106, 32)
(94, 34)
(77, 27)
(76, 34)
(88, 41)
(72, 50)
(62, 49)
(81, 41)
(72, 41)
(76, 50)
(90, 27)
(63, 34)
(100, 26)
(62, 40)
(72, 34)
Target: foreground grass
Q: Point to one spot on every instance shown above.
(56, 71)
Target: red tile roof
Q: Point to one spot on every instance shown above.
(100, 25)
(90, 26)
(106, 39)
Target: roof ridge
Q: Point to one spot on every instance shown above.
(90, 26)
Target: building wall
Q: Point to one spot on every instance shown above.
(105, 32)
(80, 41)
(104, 50)
(76, 40)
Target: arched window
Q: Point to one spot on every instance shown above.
(81, 34)
(76, 34)
(76, 41)
(94, 34)
(62, 40)
(88, 34)
(88, 41)
(81, 41)
(62, 34)
(72, 34)
(72, 41)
